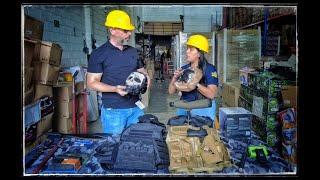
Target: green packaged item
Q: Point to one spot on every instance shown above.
(273, 105)
(252, 151)
(272, 139)
(271, 123)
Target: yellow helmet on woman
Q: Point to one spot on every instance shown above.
(199, 42)
(119, 19)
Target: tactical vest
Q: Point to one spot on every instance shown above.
(195, 155)
(141, 149)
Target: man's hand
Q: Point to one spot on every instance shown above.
(120, 90)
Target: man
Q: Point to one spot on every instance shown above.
(108, 67)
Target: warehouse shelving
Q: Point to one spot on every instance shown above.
(274, 18)
(287, 18)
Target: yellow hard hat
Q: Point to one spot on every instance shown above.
(199, 42)
(119, 19)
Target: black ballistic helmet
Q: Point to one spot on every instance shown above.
(186, 75)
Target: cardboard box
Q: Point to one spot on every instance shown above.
(33, 28)
(244, 75)
(63, 92)
(245, 103)
(224, 105)
(63, 109)
(45, 73)
(235, 122)
(48, 52)
(44, 125)
(29, 96)
(62, 125)
(42, 90)
(289, 96)
(29, 48)
(28, 73)
(230, 94)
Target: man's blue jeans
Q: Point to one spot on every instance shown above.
(210, 111)
(115, 120)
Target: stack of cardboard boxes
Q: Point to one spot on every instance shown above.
(29, 46)
(230, 94)
(261, 94)
(63, 96)
(47, 58)
(41, 69)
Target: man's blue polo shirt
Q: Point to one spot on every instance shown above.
(211, 78)
(116, 65)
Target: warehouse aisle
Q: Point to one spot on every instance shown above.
(158, 105)
(159, 101)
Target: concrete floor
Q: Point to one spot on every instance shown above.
(158, 104)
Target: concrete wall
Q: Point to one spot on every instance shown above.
(70, 33)
(98, 16)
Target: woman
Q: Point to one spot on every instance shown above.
(197, 45)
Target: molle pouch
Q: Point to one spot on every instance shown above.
(210, 152)
(195, 162)
(177, 120)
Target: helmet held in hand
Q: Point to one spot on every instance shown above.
(189, 79)
(136, 83)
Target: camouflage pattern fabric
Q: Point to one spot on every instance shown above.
(191, 155)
